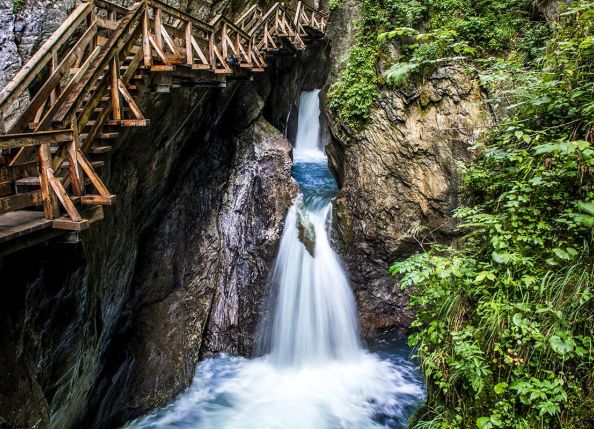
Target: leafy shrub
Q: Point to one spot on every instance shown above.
(504, 326)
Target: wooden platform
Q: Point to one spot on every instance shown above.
(16, 224)
(82, 86)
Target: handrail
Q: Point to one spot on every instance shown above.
(265, 18)
(116, 41)
(179, 14)
(221, 18)
(40, 59)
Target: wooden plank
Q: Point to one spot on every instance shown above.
(68, 224)
(20, 201)
(63, 197)
(92, 175)
(146, 45)
(5, 188)
(43, 55)
(107, 23)
(189, 53)
(107, 5)
(98, 200)
(75, 175)
(17, 224)
(114, 91)
(50, 203)
(130, 123)
(133, 106)
(170, 44)
(14, 172)
(13, 141)
(158, 28)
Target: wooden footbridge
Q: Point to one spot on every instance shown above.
(61, 112)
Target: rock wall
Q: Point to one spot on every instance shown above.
(399, 178)
(101, 331)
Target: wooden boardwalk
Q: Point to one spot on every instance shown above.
(79, 88)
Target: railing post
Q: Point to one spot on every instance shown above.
(211, 51)
(50, 200)
(115, 93)
(224, 40)
(158, 32)
(146, 44)
(71, 147)
(53, 66)
(189, 53)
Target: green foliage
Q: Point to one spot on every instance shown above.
(504, 325)
(455, 30)
(17, 4)
(352, 96)
(334, 4)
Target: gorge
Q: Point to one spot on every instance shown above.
(309, 214)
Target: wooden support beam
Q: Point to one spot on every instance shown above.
(170, 44)
(189, 53)
(92, 175)
(146, 45)
(158, 27)
(50, 201)
(133, 106)
(63, 197)
(13, 141)
(75, 175)
(114, 91)
(98, 200)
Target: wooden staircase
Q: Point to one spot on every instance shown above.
(65, 106)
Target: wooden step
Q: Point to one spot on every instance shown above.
(99, 149)
(129, 122)
(96, 164)
(68, 224)
(102, 136)
(34, 181)
(98, 200)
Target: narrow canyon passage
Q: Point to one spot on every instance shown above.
(312, 370)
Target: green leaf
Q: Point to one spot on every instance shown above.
(500, 388)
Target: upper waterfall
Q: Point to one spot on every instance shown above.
(308, 143)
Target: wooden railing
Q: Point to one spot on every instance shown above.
(65, 103)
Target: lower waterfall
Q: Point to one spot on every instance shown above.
(312, 371)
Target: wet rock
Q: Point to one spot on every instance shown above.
(307, 234)
(399, 178)
(400, 182)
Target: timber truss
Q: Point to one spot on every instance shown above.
(61, 112)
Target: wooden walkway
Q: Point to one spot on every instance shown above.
(65, 106)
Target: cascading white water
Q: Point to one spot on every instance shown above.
(313, 372)
(314, 316)
(308, 144)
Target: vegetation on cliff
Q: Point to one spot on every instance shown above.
(504, 326)
(400, 41)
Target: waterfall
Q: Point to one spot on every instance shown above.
(313, 371)
(313, 316)
(308, 143)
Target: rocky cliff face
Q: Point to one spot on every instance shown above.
(101, 331)
(399, 179)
